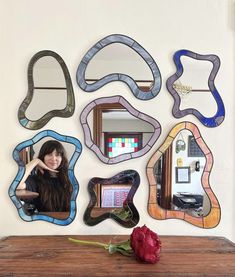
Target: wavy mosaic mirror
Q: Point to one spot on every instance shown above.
(119, 58)
(120, 132)
(113, 198)
(178, 175)
(50, 91)
(194, 84)
(46, 193)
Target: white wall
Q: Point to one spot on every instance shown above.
(70, 28)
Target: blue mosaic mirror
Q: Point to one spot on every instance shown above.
(45, 187)
(193, 88)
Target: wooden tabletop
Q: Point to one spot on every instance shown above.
(56, 256)
(24, 194)
(57, 215)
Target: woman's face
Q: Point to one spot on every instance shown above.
(53, 160)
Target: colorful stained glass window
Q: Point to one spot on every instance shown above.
(117, 144)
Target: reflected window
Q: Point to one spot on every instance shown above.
(120, 143)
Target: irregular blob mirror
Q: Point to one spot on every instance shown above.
(179, 180)
(120, 132)
(193, 84)
(46, 193)
(113, 198)
(117, 57)
(50, 91)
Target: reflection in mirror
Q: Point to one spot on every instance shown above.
(45, 187)
(120, 58)
(50, 91)
(193, 84)
(179, 179)
(120, 132)
(113, 198)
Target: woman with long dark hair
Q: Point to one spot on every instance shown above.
(48, 175)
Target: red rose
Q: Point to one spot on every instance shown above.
(145, 244)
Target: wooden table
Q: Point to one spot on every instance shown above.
(57, 215)
(56, 256)
(24, 194)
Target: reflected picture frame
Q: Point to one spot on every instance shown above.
(112, 196)
(182, 175)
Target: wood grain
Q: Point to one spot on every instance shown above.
(56, 256)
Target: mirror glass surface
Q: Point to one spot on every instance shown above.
(50, 91)
(45, 187)
(178, 174)
(115, 131)
(192, 86)
(113, 198)
(47, 72)
(122, 132)
(119, 58)
(45, 100)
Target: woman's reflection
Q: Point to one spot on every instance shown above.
(47, 175)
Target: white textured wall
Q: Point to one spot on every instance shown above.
(70, 28)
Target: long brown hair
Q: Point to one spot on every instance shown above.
(54, 197)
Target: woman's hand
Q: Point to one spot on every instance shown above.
(41, 166)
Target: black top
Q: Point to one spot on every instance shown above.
(32, 184)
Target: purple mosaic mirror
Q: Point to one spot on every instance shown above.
(131, 135)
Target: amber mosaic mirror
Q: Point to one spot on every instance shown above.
(178, 175)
